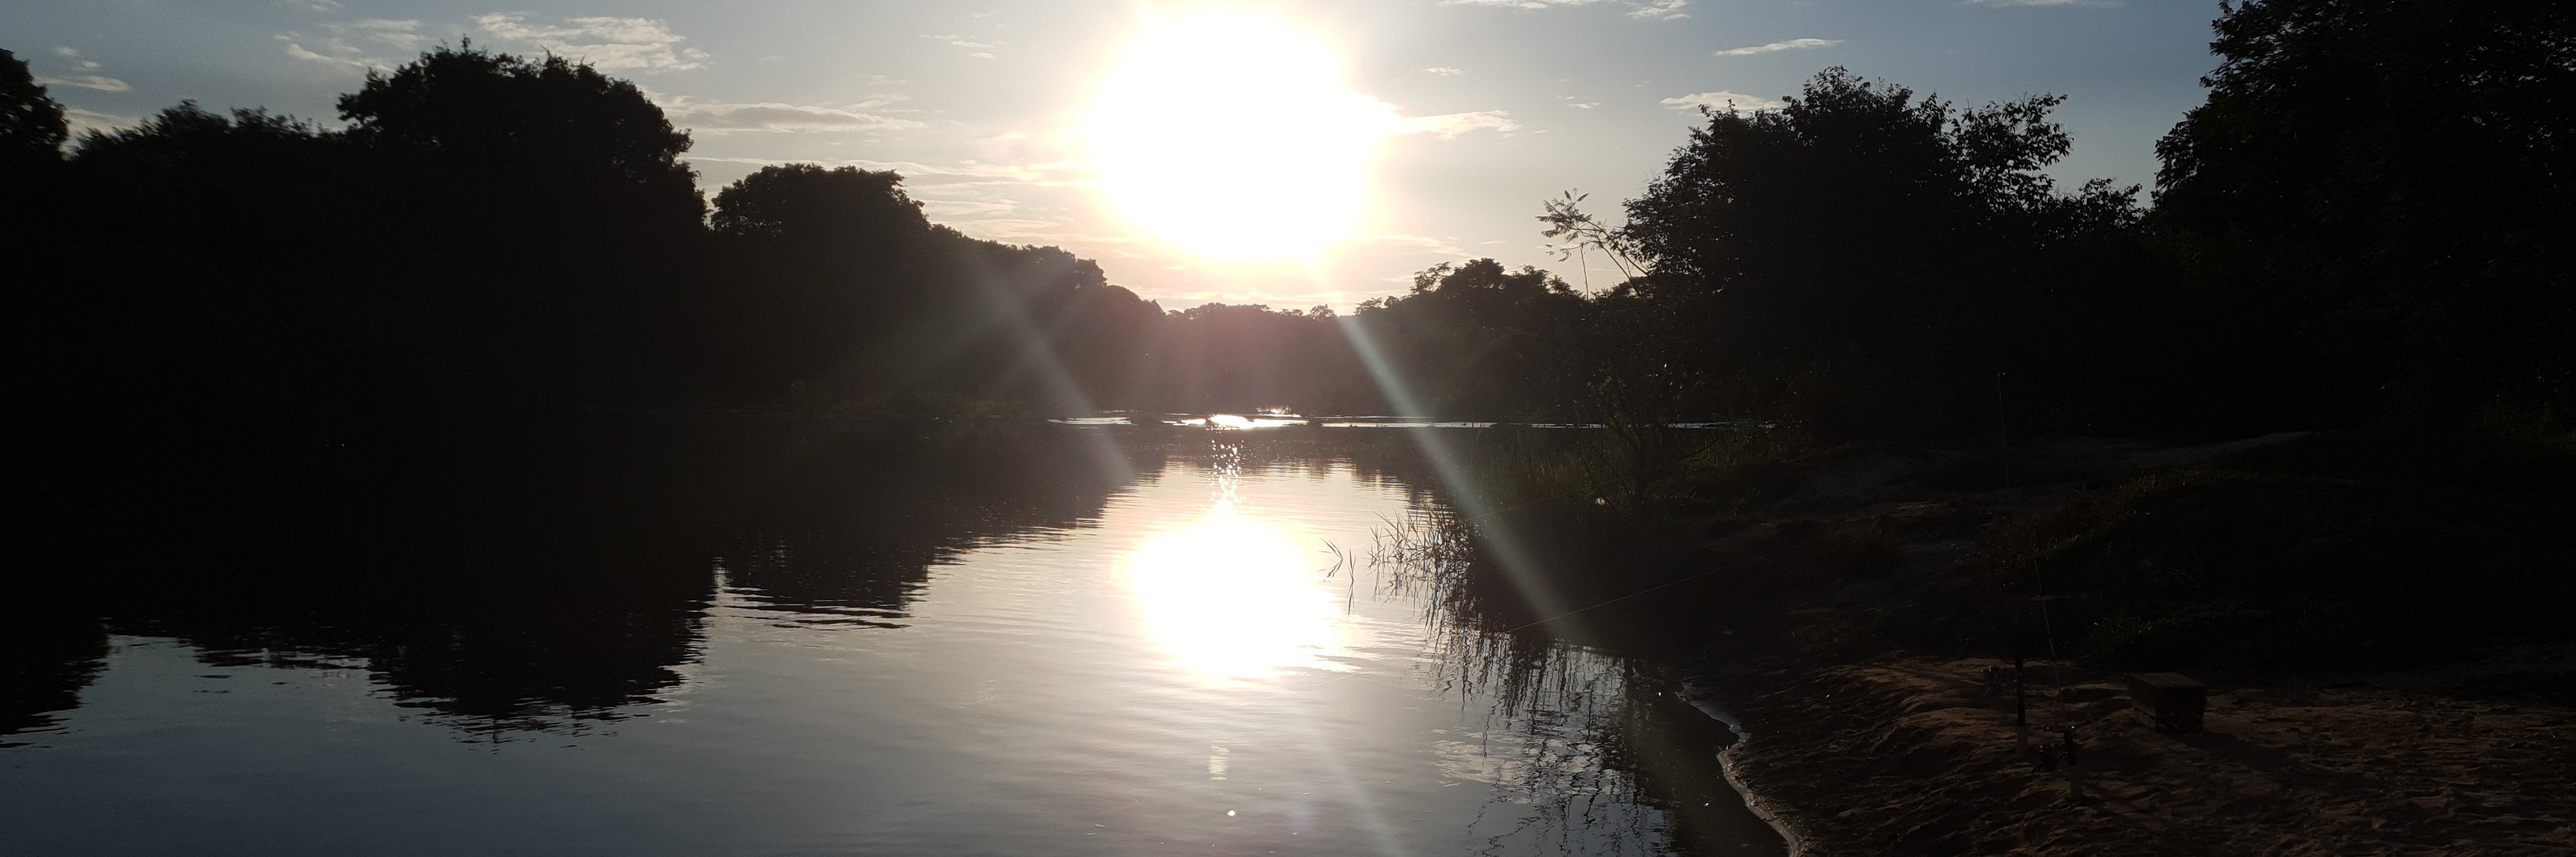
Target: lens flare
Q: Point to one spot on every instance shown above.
(1231, 135)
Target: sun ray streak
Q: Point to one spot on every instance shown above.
(1500, 544)
(1038, 356)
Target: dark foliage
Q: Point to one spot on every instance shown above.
(2382, 188)
(1873, 262)
(544, 126)
(32, 129)
(497, 232)
(494, 231)
(2368, 220)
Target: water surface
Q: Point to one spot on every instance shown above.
(1190, 661)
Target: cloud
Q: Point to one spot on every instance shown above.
(92, 80)
(969, 208)
(959, 174)
(2042, 2)
(978, 50)
(1661, 10)
(403, 35)
(1722, 100)
(357, 45)
(1519, 4)
(1651, 10)
(85, 121)
(1448, 126)
(780, 118)
(1425, 242)
(1014, 202)
(310, 5)
(1790, 45)
(301, 52)
(609, 43)
(1444, 71)
(98, 82)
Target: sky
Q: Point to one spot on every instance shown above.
(990, 108)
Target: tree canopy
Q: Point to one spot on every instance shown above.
(2366, 220)
(31, 124)
(1860, 254)
(550, 121)
(2387, 183)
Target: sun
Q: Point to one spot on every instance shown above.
(1230, 134)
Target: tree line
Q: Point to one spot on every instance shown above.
(2366, 221)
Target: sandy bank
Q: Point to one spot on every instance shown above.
(1913, 757)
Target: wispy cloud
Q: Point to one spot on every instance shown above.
(1651, 10)
(86, 76)
(1722, 101)
(309, 5)
(358, 46)
(1425, 242)
(609, 43)
(1519, 4)
(1774, 47)
(1444, 71)
(85, 121)
(976, 49)
(401, 35)
(774, 117)
(99, 82)
(1448, 126)
(949, 208)
(1660, 10)
(964, 172)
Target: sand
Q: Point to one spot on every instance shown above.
(1913, 757)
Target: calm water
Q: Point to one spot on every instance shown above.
(1173, 663)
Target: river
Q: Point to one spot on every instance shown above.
(1111, 652)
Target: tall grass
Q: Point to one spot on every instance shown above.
(1624, 472)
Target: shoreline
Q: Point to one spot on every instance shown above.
(1792, 833)
(1865, 582)
(1906, 755)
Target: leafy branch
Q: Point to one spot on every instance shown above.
(1580, 232)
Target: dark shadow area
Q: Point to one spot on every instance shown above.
(516, 574)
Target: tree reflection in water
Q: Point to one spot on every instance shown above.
(1602, 741)
(544, 580)
(528, 577)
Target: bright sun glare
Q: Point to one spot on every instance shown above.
(1232, 597)
(1231, 135)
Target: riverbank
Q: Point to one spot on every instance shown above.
(2385, 675)
(1912, 756)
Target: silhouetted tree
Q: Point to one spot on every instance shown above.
(1866, 259)
(551, 123)
(1038, 326)
(825, 262)
(853, 297)
(1483, 340)
(31, 123)
(2384, 183)
(807, 202)
(1220, 357)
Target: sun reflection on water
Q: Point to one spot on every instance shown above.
(1231, 596)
